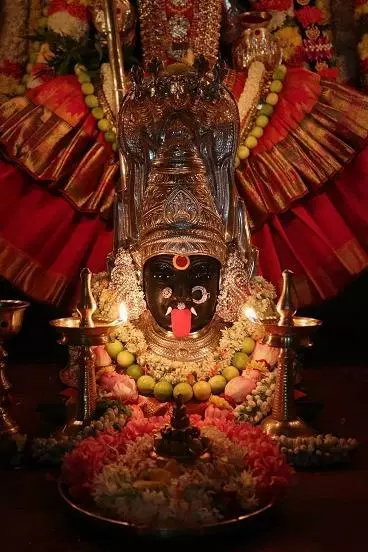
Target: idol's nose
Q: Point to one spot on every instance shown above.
(181, 295)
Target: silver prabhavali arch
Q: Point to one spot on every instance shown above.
(131, 187)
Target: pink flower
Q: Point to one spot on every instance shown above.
(102, 358)
(255, 375)
(238, 388)
(266, 353)
(264, 458)
(86, 460)
(213, 413)
(108, 381)
(125, 389)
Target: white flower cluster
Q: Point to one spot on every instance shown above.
(316, 450)
(63, 23)
(233, 337)
(50, 451)
(132, 337)
(258, 403)
(175, 371)
(139, 491)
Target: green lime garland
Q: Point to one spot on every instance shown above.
(91, 101)
(265, 111)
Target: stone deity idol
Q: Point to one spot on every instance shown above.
(180, 219)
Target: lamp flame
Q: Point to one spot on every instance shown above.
(250, 313)
(123, 313)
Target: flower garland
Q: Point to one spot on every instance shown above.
(69, 17)
(317, 36)
(13, 47)
(174, 371)
(38, 52)
(302, 29)
(361, 17)
(319, 450)
(118, 472)
(50, 451)
(159, 376)
(256, 105)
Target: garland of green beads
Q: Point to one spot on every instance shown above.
(265, 111)
(91, 101)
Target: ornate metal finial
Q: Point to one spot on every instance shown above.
(285, 305)
(180, 440)
(87, 304)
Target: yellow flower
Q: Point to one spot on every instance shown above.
(8, 85)
(289, 39)
(363, 47)
(361, 10)
(324, 6)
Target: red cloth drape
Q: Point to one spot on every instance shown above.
(44, 242)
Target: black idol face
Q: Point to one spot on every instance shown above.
(173, 284)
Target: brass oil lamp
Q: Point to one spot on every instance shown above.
(84, 331)
(288, 333)
(11, 320)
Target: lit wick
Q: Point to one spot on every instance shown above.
(250, 313)
(123, 313)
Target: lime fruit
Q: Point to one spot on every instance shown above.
(104, 125)
(87, 88)
(110, 136)
(257, 132)
(267, 110)
(202, 390)
(134, 371)
(146, 385)
(163, 391)
(276, 86)
(91, 100)
(240, 360)
(185, 390)
(248, 345)
(262, 121)
(98, 113)
(251, 142)
(272, 98)
(280, 73)
(218, 384)
(243, 152)
(230, 372)
(125, 359)
(114, 348)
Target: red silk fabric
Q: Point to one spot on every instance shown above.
(44, 242)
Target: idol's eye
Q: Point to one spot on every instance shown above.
(199, 295)
(166, 293)
(201, 273)
(162, 273)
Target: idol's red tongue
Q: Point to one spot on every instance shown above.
(181, 321)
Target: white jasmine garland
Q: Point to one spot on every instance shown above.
(65, 24)
(316, 450)
(252, 91)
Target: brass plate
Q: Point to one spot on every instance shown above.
(100, 519)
